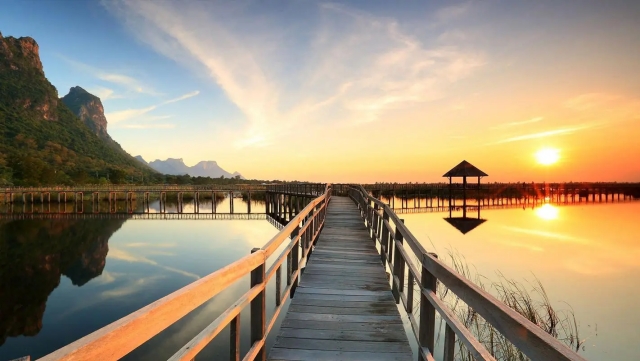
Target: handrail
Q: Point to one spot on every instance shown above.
(529, 338)
(124, 335)
(278, 187)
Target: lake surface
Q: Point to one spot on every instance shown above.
(587, 257)
(61, 279)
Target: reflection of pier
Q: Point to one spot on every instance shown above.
(436, 195)
(283, 200)
(137, 216)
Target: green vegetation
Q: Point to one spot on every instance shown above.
(41, 141)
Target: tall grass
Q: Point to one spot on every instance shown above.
(529, 299)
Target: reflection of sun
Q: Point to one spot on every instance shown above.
(547, 156)
(547, 212)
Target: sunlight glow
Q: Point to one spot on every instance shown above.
(547, 212)
(547, 156)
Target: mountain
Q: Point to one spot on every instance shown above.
(89, 109)
(175, 166)
(140, 159)
(171, 166)
(42, 141)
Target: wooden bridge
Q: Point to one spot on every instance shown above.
(335, 253)
(282, 201)
(432, 197)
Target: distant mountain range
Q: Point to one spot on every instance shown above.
(176, 166)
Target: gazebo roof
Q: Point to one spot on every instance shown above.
(465, 225)
(465, 169)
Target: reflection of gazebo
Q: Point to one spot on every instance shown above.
(464, 170)
(465, 224)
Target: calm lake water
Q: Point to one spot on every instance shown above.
(62, 279)
(586, 256)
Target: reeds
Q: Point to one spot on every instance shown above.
(529, 299)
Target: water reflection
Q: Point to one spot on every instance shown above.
(586, 256)
(112, 267)
(467, 222)
(547, 212)
(33, 257)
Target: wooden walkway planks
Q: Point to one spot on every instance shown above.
(343, 308)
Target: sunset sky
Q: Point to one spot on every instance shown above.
(358, 91)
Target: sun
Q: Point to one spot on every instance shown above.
(547, 212)
(547, 156)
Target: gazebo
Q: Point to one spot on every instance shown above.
(464, 170)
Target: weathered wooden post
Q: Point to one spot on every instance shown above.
(398, 266)
(294, 259)
(234, 329)
(426, 334)
(450, 343)
(258, 309)
(290, 207)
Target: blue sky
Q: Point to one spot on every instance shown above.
(300, 89)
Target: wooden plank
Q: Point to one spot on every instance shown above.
(339, 345)
(340, 303)
(343, 326)
(380, 334)
(343, 298)
(365, 309)
(283, 354)
(343, 318)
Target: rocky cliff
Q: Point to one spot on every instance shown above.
(19, 63)
(42, 141)
(89, 109)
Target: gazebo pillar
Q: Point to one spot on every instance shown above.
(464, 196)
(450, 190)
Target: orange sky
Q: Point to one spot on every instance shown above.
(363, 91)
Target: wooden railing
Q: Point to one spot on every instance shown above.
(297, 188)
(396, 244)
(117, 339)
(137, 188)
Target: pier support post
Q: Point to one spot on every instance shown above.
(426, 333)
(258, 310)
(294, 260)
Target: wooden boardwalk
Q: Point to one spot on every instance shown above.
(343, 308)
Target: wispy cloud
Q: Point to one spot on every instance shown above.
(453, 12)
(515, 124)
(122, 255)
(182, 97)
(549, 133)
(126, 114)
(353, 68)
(122, 115)
(104, 93)
(148, 126)
(129, 83)
(589, 101)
